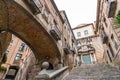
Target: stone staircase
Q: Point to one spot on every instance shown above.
(97, 71)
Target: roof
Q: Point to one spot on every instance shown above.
(82, 25)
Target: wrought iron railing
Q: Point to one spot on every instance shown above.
(73, 50)
(66, 49)
(55, 32)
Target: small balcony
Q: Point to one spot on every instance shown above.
(111, 9)
(73, 50)
(32, 6)
(66, 49)
(54, 31)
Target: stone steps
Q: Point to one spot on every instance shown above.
(98, 71)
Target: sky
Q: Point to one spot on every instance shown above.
(78, 11)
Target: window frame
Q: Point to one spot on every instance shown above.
(86, 32)
(21, 47)
(18, 56)
(78, 34)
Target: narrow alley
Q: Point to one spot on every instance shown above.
(38, 42)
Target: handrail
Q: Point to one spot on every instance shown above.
(50, 74)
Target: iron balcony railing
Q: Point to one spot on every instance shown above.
(66, 49)
(55, 32)
(73, 50)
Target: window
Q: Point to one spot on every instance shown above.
(64, 39)
(86, 32)
(54, 22)
(11, 42)
(22, 46)
(114, 41)
(7, 52)
(64, 27)
(18, 56)
(68, 33)
(111, 8)
(78, 34)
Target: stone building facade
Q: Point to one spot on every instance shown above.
(38, 21)
(89, 44)
(47, 13)
(69, 43)
(108, 28)
(19, 58)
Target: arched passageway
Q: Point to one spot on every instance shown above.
(18, 21)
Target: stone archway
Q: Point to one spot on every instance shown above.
(22, 24)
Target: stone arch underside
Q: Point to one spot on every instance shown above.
(25, 26)
(5, 37)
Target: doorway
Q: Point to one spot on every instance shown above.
(86, 59)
